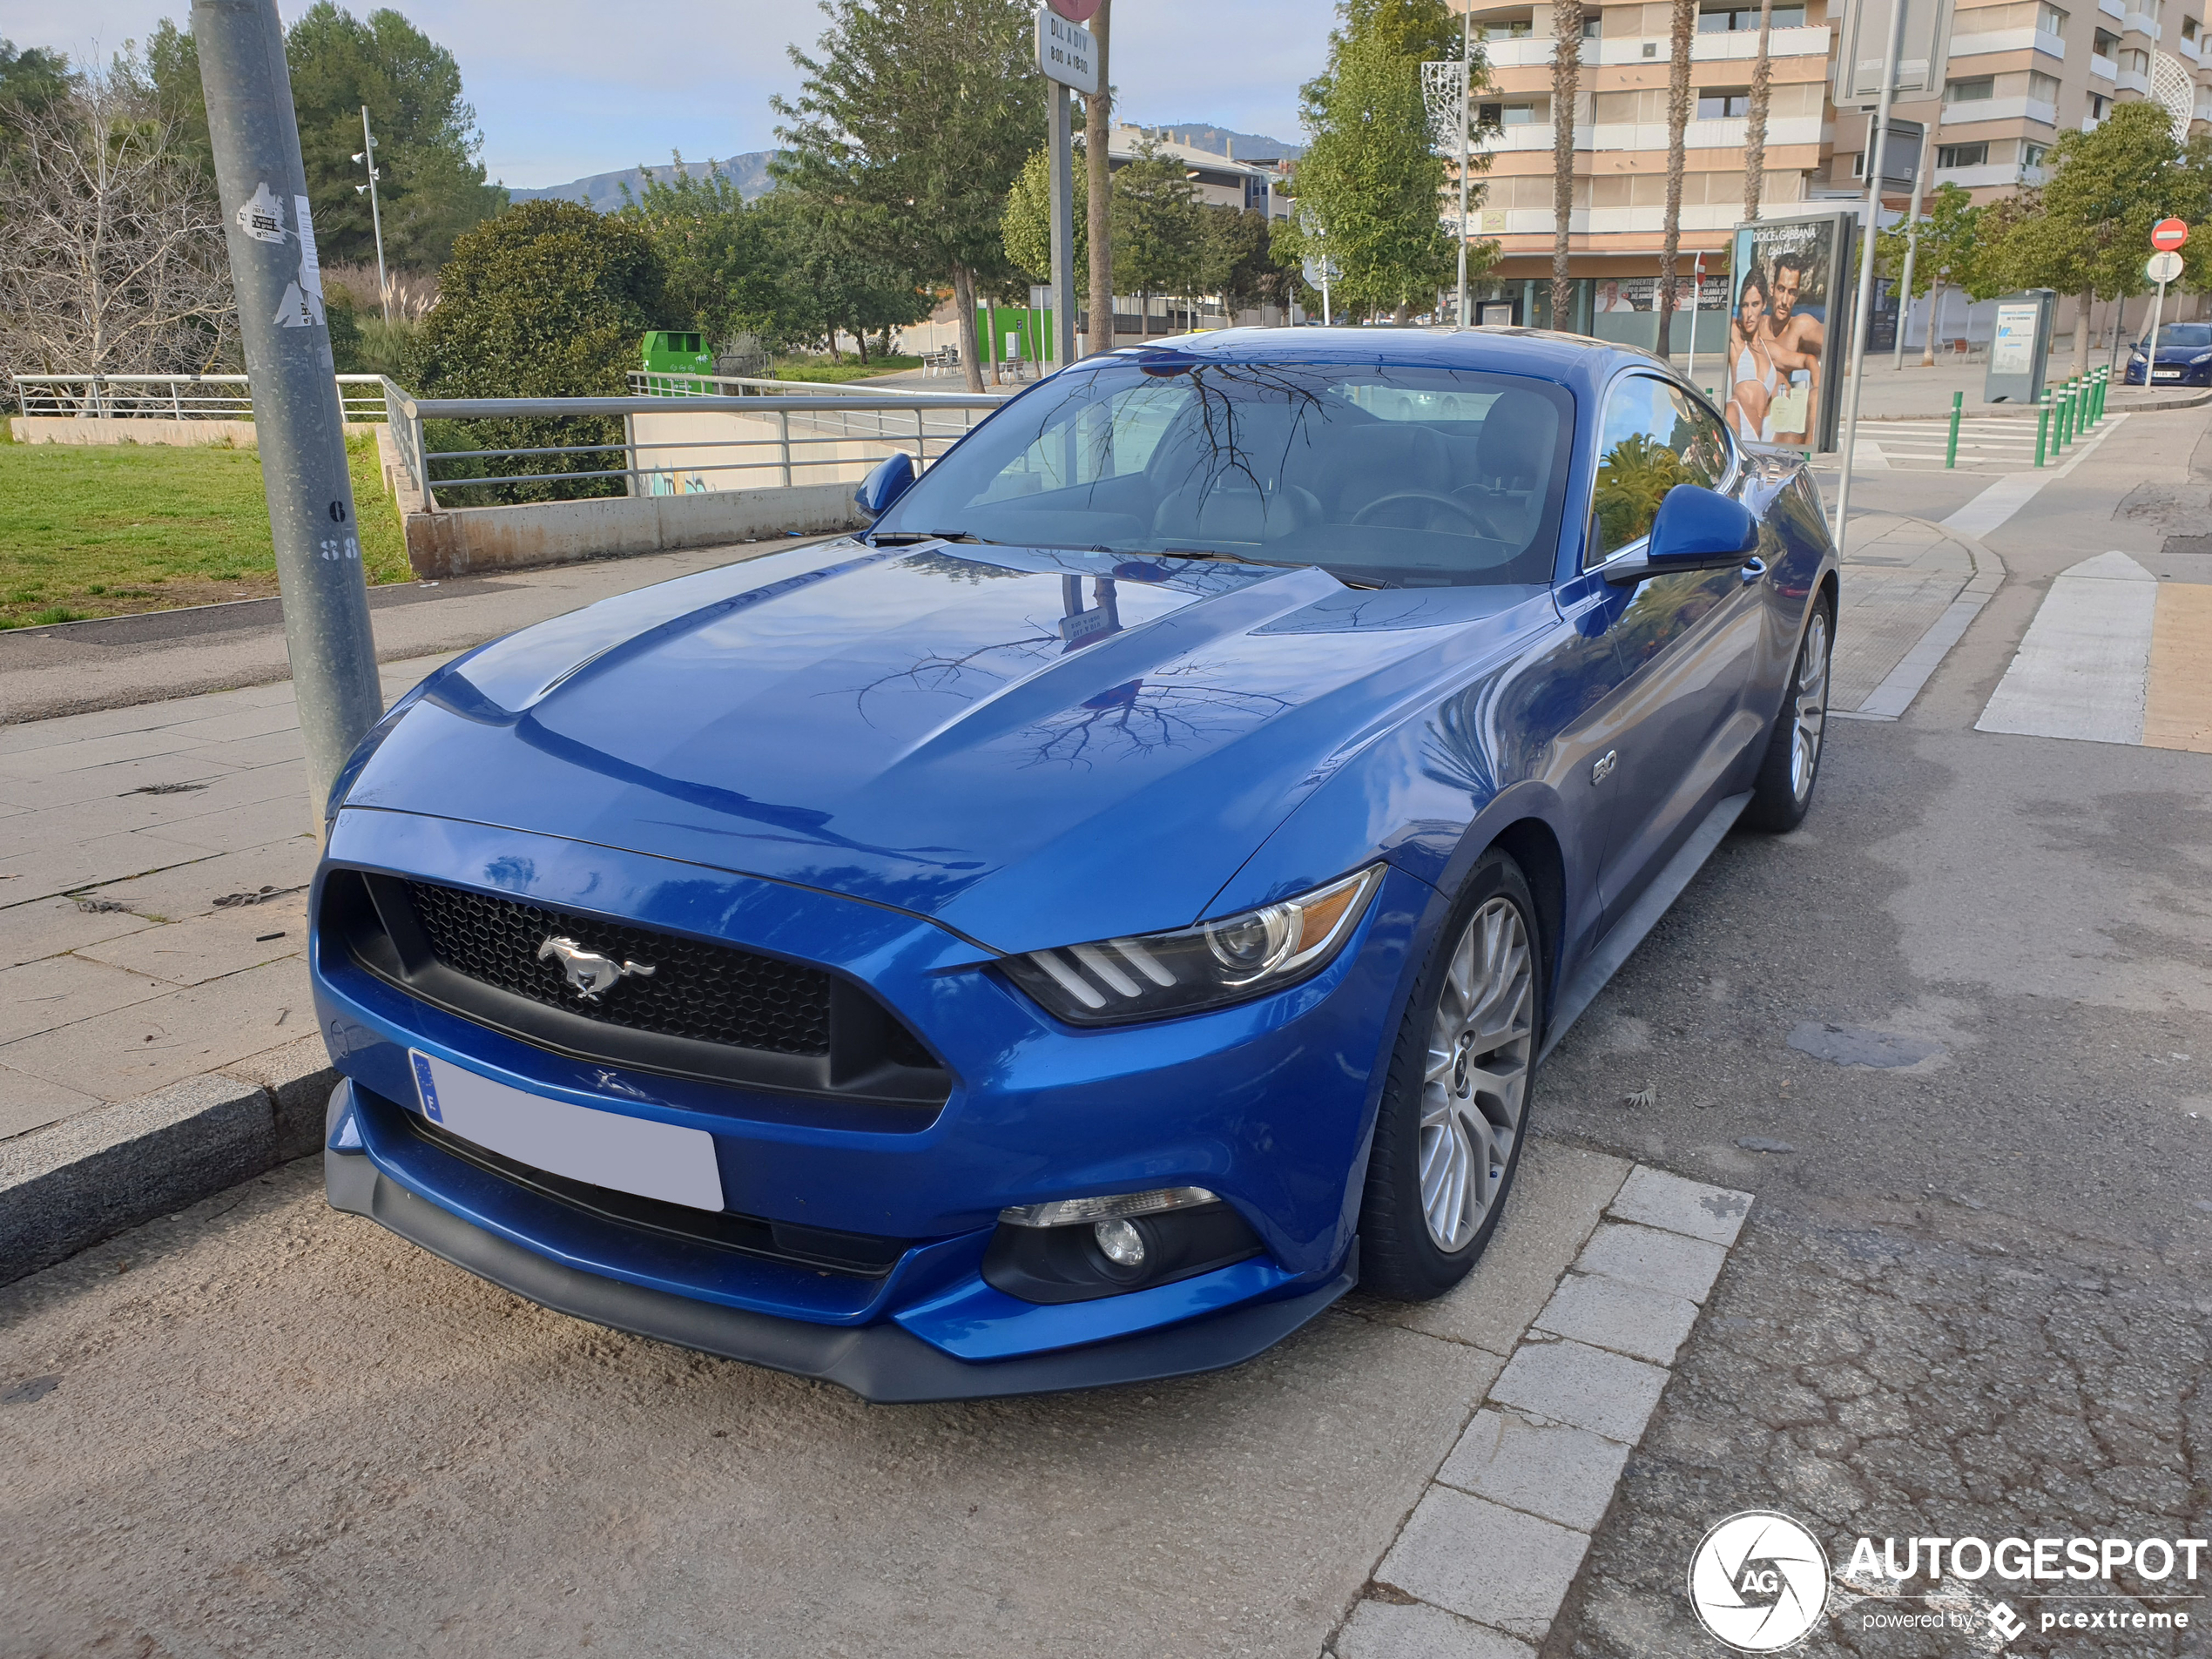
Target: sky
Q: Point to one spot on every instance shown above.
(563, 89)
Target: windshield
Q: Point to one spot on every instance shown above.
(2181, 336)
(1383, 476)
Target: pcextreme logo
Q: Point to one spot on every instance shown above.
(1759, 1581)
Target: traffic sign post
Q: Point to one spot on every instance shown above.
(1068, 56)
(2161, 268)
(2168, 235)
(1319, 273)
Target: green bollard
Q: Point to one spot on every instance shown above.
(2104, 379)
(1951, 449)
(2066, 416)
(2042, 425)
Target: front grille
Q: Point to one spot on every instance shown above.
(712, 1011)
(707, 993)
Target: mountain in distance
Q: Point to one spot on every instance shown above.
(1247, 147)
(749, 173)
(602, 191)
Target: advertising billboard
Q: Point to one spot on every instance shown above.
(1787, 327)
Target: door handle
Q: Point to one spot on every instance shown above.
(1754, 568)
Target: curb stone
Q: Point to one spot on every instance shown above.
(72, 1184)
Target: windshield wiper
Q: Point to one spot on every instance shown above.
(1215, 553)
(903, 538)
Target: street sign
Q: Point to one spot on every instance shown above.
(1066, 51)
(1319, 271)
(1866, 37)
(1075, 10)
(2163, 267)
(2168, 234)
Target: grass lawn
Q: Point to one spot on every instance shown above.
(839, 372)
(105, 529)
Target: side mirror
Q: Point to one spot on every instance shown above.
(887, 480)
(1696, 528)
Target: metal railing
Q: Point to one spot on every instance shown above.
(924, 424)
(171, 397)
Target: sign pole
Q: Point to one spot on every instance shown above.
(1466, 89)
(1064, 231)
(1911, 251)
(1696, 281)
(1068, 58)
(1864, 308)
(298, 426)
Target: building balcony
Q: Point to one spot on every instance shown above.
(2142, 24)
(1979, 111)
(1988, 175)
(2112, 8)
(1602, 221)
(2102, 69)
(2008, 40)
(2132, 80)
(1731, 133)
(1530, 51)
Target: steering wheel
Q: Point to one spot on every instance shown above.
(1433, 498)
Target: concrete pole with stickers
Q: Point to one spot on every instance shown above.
(298, 423)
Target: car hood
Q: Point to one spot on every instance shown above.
(1031, 747)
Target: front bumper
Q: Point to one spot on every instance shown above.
(879, 1362)
(1269, 1105)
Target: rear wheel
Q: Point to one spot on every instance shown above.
(1783, 792)
(1448, 1138)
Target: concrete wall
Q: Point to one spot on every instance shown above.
(475, 541)
(62, 429)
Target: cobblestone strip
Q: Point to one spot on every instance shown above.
(1485, 1560)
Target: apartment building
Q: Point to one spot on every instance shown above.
(2020, 72)
(1217, 180)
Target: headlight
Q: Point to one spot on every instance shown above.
(1153, 976)
(2201, 358)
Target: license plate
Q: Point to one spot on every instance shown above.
(2167, 374)
(634, 1155)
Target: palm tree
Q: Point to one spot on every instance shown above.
(1567, 79)
(1762, 95)
(1685, 25)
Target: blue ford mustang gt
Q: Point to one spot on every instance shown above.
(1072, 932)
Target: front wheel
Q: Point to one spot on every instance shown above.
(1783, 792)
(1448, 1138)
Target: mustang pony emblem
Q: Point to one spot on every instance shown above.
(587, 972)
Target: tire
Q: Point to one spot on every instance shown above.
(1791, 768)
(1446, 1099)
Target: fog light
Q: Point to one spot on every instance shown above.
(1120, 1243)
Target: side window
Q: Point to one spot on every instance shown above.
(1652, 439)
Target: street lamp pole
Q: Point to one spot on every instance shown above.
(1466, 91)
(299, 427)
(1877, 139)
(367, 157)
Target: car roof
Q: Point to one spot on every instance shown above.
(1576, 361)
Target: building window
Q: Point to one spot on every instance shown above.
(2032, 154)
(1979, 89)
(2189, 32)
(1858, 165)
(1514, 29)
(2051, 20)
(1512, 115)
(1593, 25)
(2134, 58)
(1718, 103)
(1961, 155)
(1728, 22)
(2104, 43)
(2043, 86)
(2098, 105)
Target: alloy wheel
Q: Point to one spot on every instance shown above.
(1479, 1047)
(1810, 715)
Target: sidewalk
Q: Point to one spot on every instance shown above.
(1917, 394)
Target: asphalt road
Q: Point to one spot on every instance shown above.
(1971, 1298)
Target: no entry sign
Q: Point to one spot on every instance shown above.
(1075, 10)
(2168, 234)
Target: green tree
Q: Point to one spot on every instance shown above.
(1370, 186)
(549, 300)
(432, 187)
(722, 258)
(1159, 231)
(1239, 261)
(2086, 232)
(920, 114)
(1949, 238)
(1026, 226)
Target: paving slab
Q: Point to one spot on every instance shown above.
(167, 1039)
(28, 1102)
(50, 927)
(41, 995)
(1661, 1261)
(1562, 1473)
(1498, 1566)
(1382, 1629)
(1585, 1387)
(1667, 1202)
(214, 946)
(1626, 1319)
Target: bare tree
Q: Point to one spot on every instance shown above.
(1685, 25)
(115, 258)
(1754, 135)
(1567, 83)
